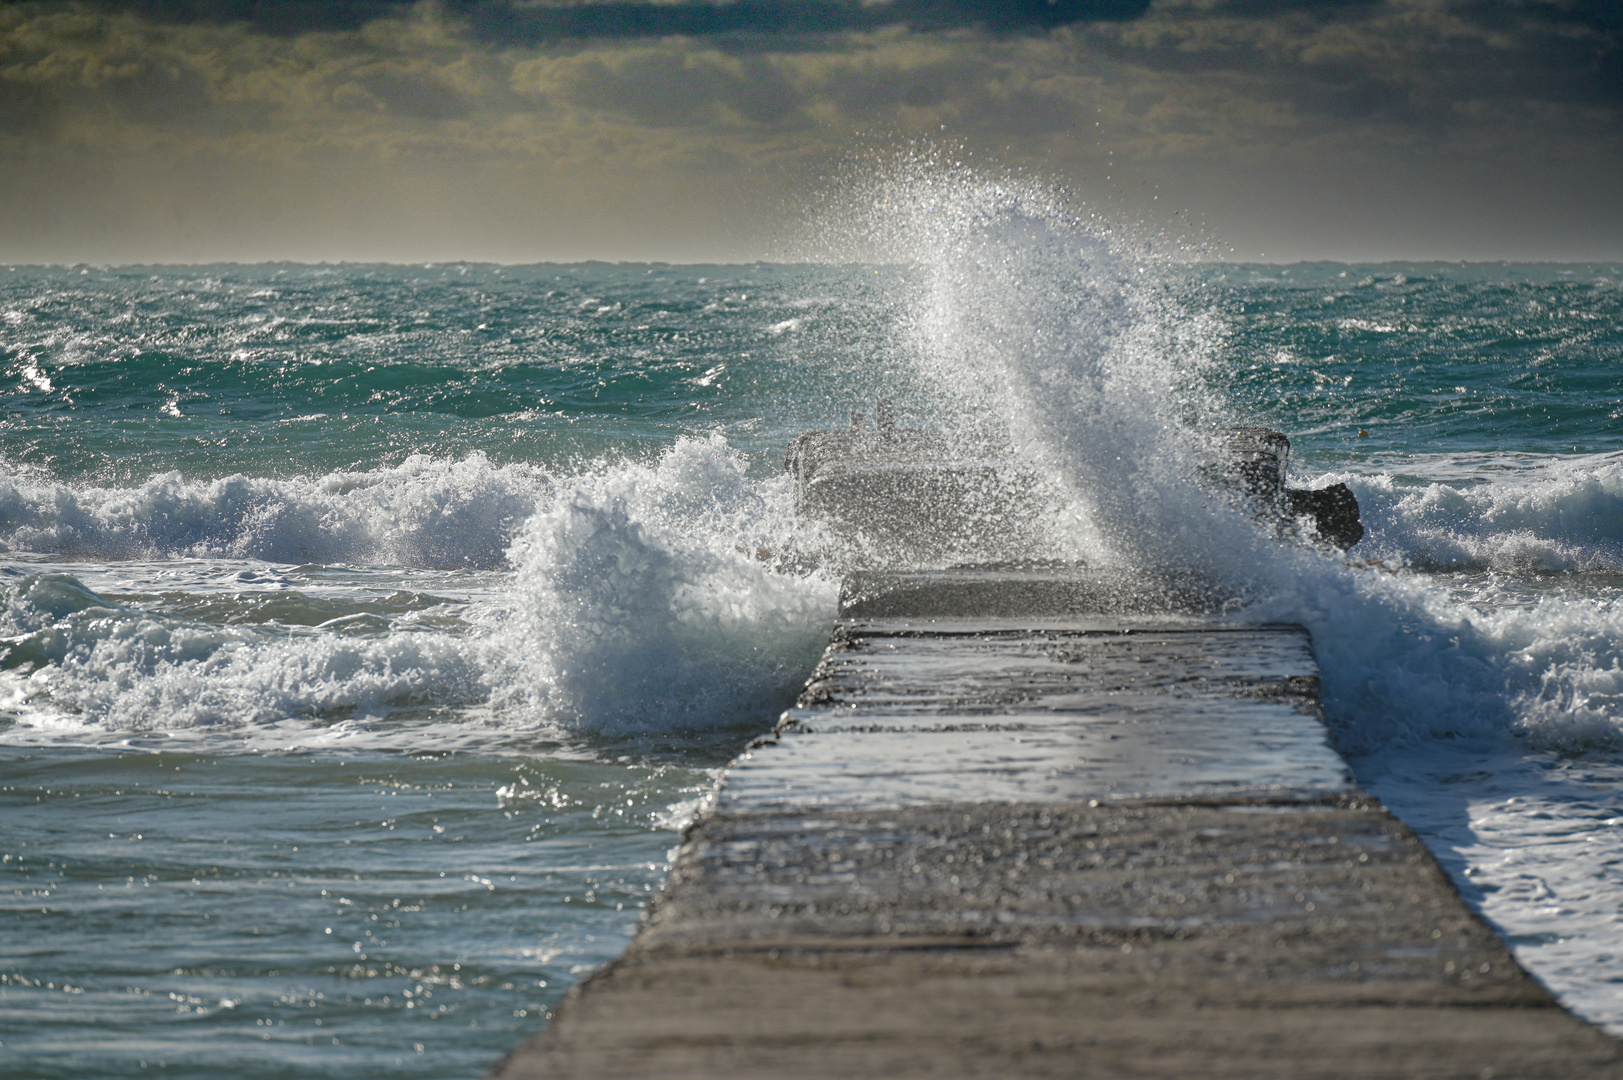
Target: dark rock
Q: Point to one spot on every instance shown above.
(1332, 512)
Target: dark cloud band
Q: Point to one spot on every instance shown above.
(520, 23)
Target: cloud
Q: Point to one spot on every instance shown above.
(501, 127)
(535, 22)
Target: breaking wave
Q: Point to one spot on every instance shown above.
(637, 601)
(423, 512)
(1563, 515)
(1034, 315)
(82, 666)
(644, 598)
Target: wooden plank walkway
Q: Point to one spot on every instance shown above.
(1111, 845)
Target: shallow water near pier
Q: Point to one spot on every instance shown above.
(312, 914)
(369, 632)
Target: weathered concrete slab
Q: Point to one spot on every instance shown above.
(1100, 846)
(1143, 940)
(901, 713)
(1333, 892)
(909, 497)
(1024, 592)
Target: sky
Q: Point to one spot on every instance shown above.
(721, 130)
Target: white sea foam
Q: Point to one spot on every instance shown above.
(638, 601)
(1509, 650)
(1565, 515)
(1403, 661)
(641, 602)
(424, 512)
(80, 666)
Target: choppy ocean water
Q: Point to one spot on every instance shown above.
(367, 632)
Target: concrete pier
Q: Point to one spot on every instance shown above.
(1093, 841)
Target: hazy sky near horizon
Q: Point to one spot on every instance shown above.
(692, 130)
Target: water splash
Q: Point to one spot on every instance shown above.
(641, 603)
(1037, 318)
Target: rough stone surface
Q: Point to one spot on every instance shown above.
(1023, 592)
(1137, 940)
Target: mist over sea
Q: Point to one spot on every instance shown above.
(367, 633)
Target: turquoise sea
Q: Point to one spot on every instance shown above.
(367, 633)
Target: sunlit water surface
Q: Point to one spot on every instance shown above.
(369, 632)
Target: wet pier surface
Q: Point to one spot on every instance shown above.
(1107, 845)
